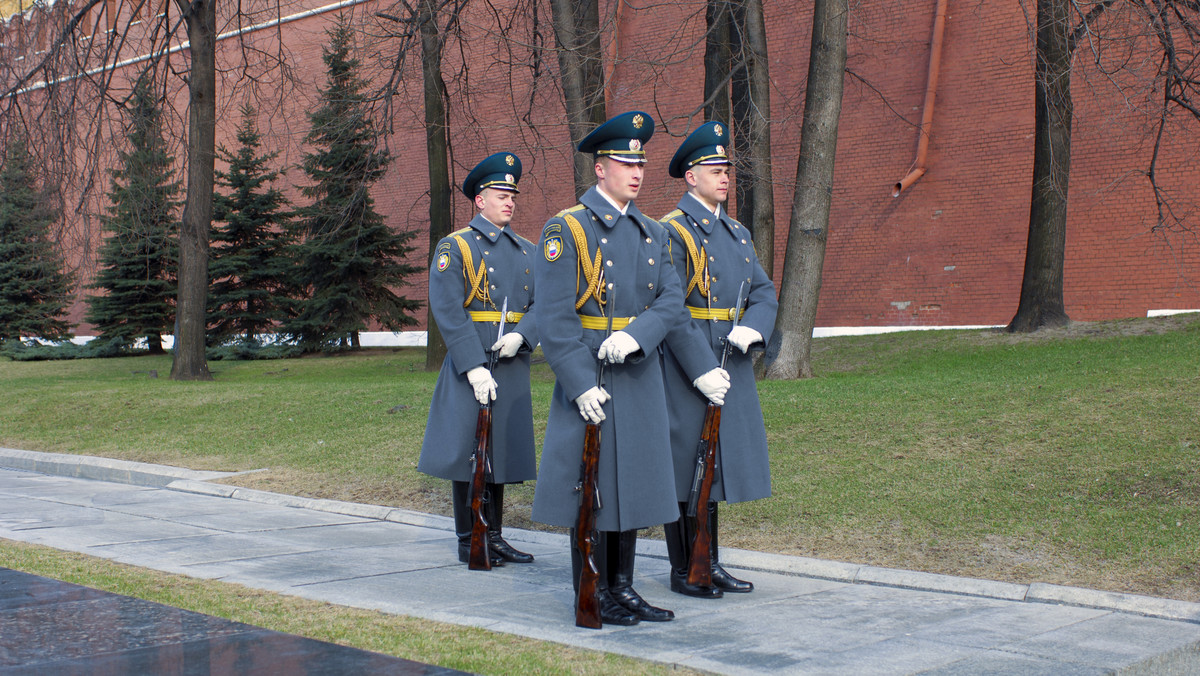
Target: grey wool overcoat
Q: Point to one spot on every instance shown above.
(635, 470)
(506, 261)
(698, 239)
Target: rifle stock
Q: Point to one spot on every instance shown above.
(480, 557)
(587, 606)
(700, 561)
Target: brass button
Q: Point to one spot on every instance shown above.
(526, 270)
(651, 261)
(491, 269)
(747, 260)
(743, 241)
(608, 263)
(650, 285)
(649, 241)
(604, 240)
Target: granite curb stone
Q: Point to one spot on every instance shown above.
(103, 469)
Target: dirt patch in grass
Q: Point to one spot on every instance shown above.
(1117, 328)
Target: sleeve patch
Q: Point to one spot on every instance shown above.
(443, 262)
(553, 247)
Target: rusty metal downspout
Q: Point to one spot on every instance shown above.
(935, 64)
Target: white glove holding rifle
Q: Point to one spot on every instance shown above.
(591, 404)
(617, 347)
(508, 345)
(484, 385)
(742, 337)
(714, 385)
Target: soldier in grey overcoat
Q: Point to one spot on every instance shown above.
(474, 271)
(714, 257)
(602, 258)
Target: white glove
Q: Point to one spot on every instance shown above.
(714, 385)
(742, 337)
(485, 386)
(509, 344)
(590, 404)
(616, 347)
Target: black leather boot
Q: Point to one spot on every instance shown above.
(720, 577)
(496, 523)
(460, 499)
(679, 549)
(622, 548)
(611, 612)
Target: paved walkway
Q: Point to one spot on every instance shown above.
(806, 616)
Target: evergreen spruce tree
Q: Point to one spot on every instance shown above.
(350, 260)
(251, 269)
(138, 258)
(34, 288)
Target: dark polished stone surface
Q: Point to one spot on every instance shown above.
(52, 627)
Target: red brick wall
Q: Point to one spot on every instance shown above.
(948, 251)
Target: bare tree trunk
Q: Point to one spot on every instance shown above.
(191, 313)
(752, 129)
(437, 150)
(717, 61)
(800, 288)
(1041, 302)
(577, 33)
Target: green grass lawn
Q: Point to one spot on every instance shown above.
(1067, 456)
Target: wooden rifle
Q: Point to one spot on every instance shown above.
(587, 604)
(481, 472)
(700, 561)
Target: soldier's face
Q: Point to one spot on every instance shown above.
(620, 180)
(496, 205)
(709, 182)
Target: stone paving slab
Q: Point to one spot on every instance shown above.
(805, 616)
